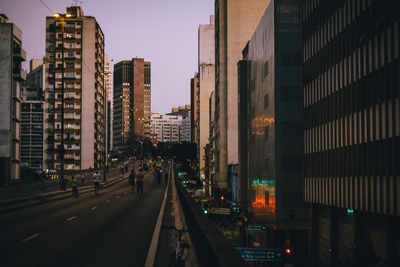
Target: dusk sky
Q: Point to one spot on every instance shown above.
(161, 31)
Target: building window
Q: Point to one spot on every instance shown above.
(266, 100)
(266, 69)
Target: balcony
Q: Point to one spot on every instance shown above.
(19, 54)
(19, 74)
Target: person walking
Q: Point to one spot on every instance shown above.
(132, 180)
(96, 182)
(139, 181)
(74, 184)
(82, 178)
(158, 175)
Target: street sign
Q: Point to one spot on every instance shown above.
(260, 254)
(256, 227)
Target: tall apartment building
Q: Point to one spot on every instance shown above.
(11, 76)
(211, 138)
(352, 130)
(235, 22)
(132, 100)
(206, 59)
(166, 127)
(271, 130)
(108, 72)
(194, 95)
(32, 102)
(74, 65)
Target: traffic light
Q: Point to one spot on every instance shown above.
(205, 211)
(288, 251)
(179, 174)
(222, 197)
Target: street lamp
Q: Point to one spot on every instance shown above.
(62, 148)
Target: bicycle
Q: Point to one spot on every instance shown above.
(176, 259)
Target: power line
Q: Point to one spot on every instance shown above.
(52, 12)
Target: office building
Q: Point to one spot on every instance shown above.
(352, 130)
(185, 129)
(74, 92)
(166, 127)
(132, 106)
(235, 22)
(271, 130)
(194, 96)
(108, 72)
(32, 101)
(206, 59)
(11, 76)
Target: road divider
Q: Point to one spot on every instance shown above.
(72, 218)
(30, 237)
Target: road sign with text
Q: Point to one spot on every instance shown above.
(256, 227)
(260, 254)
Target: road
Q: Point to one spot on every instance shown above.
(114, 228)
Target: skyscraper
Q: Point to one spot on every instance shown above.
(235, 22)
(75, 63)
(194, 96)
(206, 59)
(11, 76)
(132, 106)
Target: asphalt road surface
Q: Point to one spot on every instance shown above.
(114, 228)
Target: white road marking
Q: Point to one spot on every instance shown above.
(108, 201)
(94, 208)
(30, 237)
(72, 218)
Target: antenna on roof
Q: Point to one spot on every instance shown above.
(77, 2)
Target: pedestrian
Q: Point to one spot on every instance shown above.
(126, 167)
(132, 180)
(96, 182)
(82, 178)
(122, 168)
(139, 180)
(166, 177)
(74, 184)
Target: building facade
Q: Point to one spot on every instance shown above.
(185, 129)
(11, 76)
(74, 92)
(32, 102)
(235, 22)
(194, 95)
(108, 74)
(132, 93)
(206, 59)
(352, 130)
(166, 127)
(183, 111)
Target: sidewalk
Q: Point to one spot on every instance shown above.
(16, 197)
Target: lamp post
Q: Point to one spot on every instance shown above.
(62, 148)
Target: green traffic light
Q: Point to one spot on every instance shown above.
(205, 211)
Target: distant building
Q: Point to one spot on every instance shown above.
(212, 156)
(75, 63)
(235, 22)
(32, 102)
(206, 59)
(166, 127)
(11, 76)
(132, 106)
(194, 96)
(181, 110)
(185, 129)
(108, 74)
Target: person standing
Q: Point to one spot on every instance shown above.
(139, 181)
(74, 184)
(82, 178)
(166, 177)
(96, 182)
(132, 180)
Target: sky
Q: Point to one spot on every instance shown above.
(163, 32)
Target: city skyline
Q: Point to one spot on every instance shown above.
(179, 40)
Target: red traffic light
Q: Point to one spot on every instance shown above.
(222, 197)
(288, 251)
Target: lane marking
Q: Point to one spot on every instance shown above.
(94, 208)
(72, 218)
(30, 237)
(108, 201)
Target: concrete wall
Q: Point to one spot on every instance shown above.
(88, 92)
